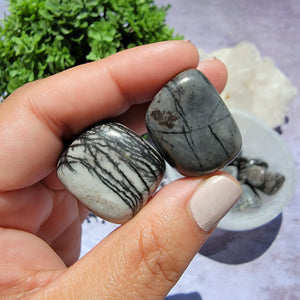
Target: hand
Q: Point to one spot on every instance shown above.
(41, 222)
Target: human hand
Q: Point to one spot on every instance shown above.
(41, 222)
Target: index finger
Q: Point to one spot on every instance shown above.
(37, 116)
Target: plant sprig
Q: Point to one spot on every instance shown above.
(41, 38)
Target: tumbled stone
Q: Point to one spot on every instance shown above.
(258, 162)
(272, 183)
(232, 170)
(111, 170)
(261, 178)
(192, 127)
(240, 162)
(255, 175)
(248, 199)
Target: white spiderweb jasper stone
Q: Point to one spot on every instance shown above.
(111, 170)
(254, 83)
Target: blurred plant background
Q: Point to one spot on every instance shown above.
(41, 38)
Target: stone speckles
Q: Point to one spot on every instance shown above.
(111, 170)
(191, 126)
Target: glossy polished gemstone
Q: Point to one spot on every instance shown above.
(111, 170)
(192, 127)
(256, 173)
(248, 199)
(263, 179)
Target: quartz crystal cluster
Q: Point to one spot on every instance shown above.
(113, 171)
(254, 83)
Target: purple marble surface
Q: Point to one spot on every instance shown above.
(262, 263)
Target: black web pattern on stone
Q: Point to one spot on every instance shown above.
(145, 162)
(186, 130)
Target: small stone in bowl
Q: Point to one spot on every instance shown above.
(248, 199)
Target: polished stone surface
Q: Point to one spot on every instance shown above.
(273, 274)
(191, 126)
(232, 170)
(254, 175)
(111, 170)
(259, 271)
(272, 183)
(257, 174)
(249, 199)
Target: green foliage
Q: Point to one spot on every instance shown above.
(40, 38)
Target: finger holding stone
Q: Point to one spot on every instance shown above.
(216, 71)
(38, 116)
(134, 118)
(147, 255)
(113, 171)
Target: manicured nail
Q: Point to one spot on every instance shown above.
(213, 199)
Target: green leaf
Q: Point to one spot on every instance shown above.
(41, 38)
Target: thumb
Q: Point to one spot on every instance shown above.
(145, 257)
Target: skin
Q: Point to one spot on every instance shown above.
(40, 222)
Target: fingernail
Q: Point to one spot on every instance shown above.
(213, 199)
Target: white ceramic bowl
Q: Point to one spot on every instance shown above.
(259, 141)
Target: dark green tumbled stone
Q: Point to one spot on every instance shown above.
(191, 126)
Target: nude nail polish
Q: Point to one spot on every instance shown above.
(214, 197)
